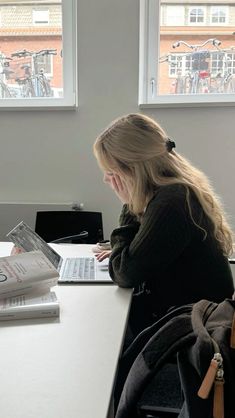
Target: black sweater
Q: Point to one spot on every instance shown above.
(167, 256)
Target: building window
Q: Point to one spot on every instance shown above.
(41, 17)
(173, 15)
(38, 54)
(196, 16)
(178, 65)
(231, 63)
(219, 15)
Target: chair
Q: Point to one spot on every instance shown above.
(70, 226)
(163, 397)
(197, 333)
(139, 393)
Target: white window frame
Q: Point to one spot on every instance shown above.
(69, 99)
(222, 8)
(204, 15)
(149, 41)
(181, 16)
(40, 22)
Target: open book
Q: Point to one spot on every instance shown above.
(41, 305)
(26, 273)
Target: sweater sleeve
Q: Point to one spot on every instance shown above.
(126, 217)
(160, 238)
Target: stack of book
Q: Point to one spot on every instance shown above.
(26, 280)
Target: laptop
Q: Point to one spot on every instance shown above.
(79, 270)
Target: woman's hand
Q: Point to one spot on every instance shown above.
(103, 255)
(119, 186)
(16, 250)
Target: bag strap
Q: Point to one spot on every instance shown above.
(201, 311)
(175, 334)
(144, 336)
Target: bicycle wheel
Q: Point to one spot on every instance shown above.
(203, 86)
(187, 85)
(4, 91)
(28, 89)
(43, 87)
(229, 86)
(179, 88)
(194, 85)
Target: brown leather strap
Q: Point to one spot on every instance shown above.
(208, 380)
(218, 402)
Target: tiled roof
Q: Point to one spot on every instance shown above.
(30, 31)
(22, 15)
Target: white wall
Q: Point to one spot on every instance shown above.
(47, 156)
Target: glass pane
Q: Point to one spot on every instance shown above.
(31, 63)
(190, 60)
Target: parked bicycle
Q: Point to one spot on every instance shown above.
(197, 79)
(34, 82)
(222, 77)
(5, 90)
(175, 64)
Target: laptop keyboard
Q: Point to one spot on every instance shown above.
(79, 268)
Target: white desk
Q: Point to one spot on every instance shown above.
(64, 368)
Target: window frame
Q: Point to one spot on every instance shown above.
(149, 40)
(222, 8)
(182, 16)
(69, 99)
(40, 23)
(196, 7)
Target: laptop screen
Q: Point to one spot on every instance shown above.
(28, 240)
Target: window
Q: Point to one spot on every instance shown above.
(230, 62)
(173, 15)
(40, 17)
(196, 15)
(38, 54)
(219, 15)
(179, 65)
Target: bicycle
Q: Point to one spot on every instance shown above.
(178, 86)
(223, 81)
(198, 80)
(5, 91)
(43, 87)
(34, 83)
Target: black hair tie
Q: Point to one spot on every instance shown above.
(170, 144)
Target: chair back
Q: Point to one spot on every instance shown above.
(197, 333)
(53, 225)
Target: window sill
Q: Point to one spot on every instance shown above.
(189, 101)
(37, 104)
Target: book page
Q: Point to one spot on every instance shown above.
(38, 305)
(29, 301)
(22, 272)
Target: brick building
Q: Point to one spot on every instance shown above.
(32, 26)
(194, 22)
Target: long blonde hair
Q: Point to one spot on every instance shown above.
(135, 147)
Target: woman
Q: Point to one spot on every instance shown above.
(173, 241)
